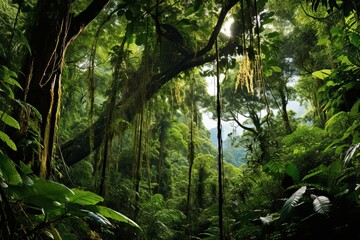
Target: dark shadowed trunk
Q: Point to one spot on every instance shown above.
(285, 115)
(162, 138)
(191, 156)
(54, 28)
(42, 73)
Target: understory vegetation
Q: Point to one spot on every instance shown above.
(104, 129)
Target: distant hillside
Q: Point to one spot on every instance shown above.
(226, 129)
(233, 155)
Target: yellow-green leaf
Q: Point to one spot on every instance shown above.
(8, 171)
(276, 68)
(322, 74)
(82, 197)
(8, 120)
(6, 139)
(109, 213)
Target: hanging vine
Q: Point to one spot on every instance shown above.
(91, 75)
(250, 74)
(118, 75)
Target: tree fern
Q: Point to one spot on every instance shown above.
(275, 167)
(314, 172)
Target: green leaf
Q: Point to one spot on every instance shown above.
(47, 195)
(49, 190)
(321, 204)
(322, 74)
(292, 202)
(276, 68)
(274, 167)
(267, 18)
(268, 73)
(23, 40)
(265, 49)
(8, 120)
(35, 111)
(355, 40)
(8, 76)
(323, 41)
(110, 213)
(331, 83)
(25, 178)
(6, 139)
(272, 34)
(10, 93)
(12, 81)
(292, 171)
(25, 168)
(8, 171)
(335, 31)
(314, 172)
(82, 197)
(356, 107)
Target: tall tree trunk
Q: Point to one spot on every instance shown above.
(54, 28)
(264, 148)
(105, 168)
(160, 163)
(191, 148)
(42, 73)
(137, 164)
(200, 190)
(219, 138)
(284, 112)
(191, 163)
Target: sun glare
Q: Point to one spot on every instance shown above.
(226, 28)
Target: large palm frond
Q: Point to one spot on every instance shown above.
(292, 202)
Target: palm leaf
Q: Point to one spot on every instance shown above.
(350, 153)
(292, 202)
(321, 204)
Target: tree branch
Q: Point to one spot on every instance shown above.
(241, 125)
(216, 30)
(80, 21)
(78, 148)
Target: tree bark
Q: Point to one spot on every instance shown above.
(53, 30)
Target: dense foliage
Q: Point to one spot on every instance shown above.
(101, 119)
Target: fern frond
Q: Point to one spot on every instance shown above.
(321, 204)
(275, 167)
(314, 172)
(292, 202)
